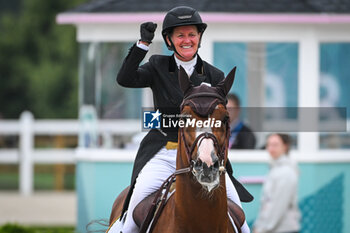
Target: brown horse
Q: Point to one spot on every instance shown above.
(200, 202)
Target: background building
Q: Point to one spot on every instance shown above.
(289, 54)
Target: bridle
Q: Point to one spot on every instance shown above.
(221, 151)
(189, 150)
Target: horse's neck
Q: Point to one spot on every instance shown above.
(198, 208)
(190, 193)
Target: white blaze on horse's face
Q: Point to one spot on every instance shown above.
(205, 147)
(206, 173)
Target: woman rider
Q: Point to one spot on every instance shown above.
(156, 158)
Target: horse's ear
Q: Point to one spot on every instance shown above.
(184, 81)
(226, 84)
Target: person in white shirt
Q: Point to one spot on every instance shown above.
(279, 212)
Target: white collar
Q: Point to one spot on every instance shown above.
(187, 65)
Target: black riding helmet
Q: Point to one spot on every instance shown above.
(181, 16)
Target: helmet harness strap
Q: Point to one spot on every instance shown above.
(172, 46)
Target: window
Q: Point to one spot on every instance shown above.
(334, 88)
(267, 76)
(99, 64)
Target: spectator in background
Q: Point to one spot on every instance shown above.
(242, 136)
(279, 210)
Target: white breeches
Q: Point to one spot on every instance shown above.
(152, 176)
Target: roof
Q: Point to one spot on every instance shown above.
(232, 6)
(212, 11)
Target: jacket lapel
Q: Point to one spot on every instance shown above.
(198, 67)
(172, 64)
(197, 78)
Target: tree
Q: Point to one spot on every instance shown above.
(38, 61)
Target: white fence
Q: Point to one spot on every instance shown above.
(26, 155)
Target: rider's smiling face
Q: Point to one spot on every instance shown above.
(186, 40)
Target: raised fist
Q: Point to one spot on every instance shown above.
(147, 31)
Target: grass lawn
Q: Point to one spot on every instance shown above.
(44, 177)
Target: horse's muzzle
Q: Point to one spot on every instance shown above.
(208, 177)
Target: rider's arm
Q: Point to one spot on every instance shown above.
(133, 75)
(130, 74)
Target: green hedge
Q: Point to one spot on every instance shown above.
(14, 228)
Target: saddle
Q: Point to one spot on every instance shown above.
(147, 213)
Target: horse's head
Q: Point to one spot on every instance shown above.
(205, 136)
